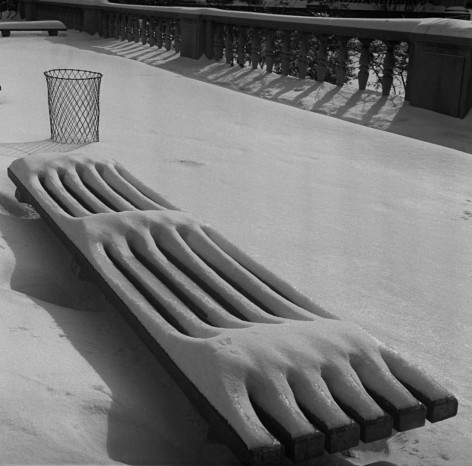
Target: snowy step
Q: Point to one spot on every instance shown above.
(51, 26)
(271, 371)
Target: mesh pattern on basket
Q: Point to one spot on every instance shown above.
(74, 105)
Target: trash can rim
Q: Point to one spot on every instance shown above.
(92, 74)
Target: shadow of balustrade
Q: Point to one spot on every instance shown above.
(366, 108)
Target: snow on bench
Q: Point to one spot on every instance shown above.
(52, 27)
(273, 373)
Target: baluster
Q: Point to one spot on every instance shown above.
(388, 65)
(103, 26)
(116, 27)
(341, 61)
(168, 35)
(218, 42)
(255, 48)
(229, 45)
(177, 36)
(285, 55)
(144, 30)
(137, 24)
(152, 31)
(79, 15)
(123, 27)
(110, 26)
(363, 75)
(303, 56)
(129, 29)
(269, 50)
(160, 29)
(322, 59)
(241, 46)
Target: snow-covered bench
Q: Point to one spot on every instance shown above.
(273, 373)
(51, 26)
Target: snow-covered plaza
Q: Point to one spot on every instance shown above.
(361, 202)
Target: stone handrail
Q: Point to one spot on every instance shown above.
(440, 50)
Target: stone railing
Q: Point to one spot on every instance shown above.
(439, 69)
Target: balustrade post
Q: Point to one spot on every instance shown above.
(192, 30)
(91, 20)
(209, 39)
(218, 42)
(440, 71)
(269, 50)
(30, 10)
(388, 65)
(363, 75)
(322, 59)
(341, 61)
(303, 56)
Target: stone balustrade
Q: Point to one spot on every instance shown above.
(437, 65)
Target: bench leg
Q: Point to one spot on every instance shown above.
(52, 33)
(5, 33)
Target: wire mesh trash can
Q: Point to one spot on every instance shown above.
(74, 105)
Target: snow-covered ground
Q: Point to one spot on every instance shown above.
(374, 226)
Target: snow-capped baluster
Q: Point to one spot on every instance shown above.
(255, 48)
(269, 50)
(322, 58)
(341, 61)
(388, 64)
(363, 74)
